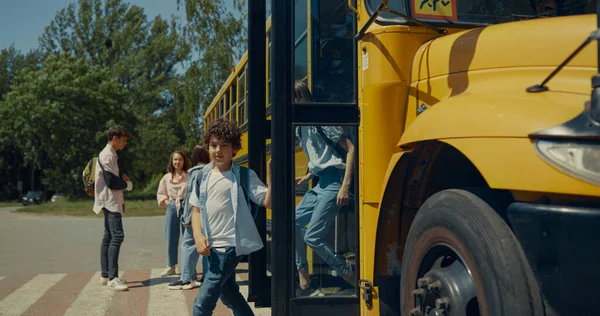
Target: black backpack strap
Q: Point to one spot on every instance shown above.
(245, 183)
(337, 147)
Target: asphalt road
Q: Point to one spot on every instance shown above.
(34, 244)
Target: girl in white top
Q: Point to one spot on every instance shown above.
(171, 191)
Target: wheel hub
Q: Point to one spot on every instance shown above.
(445, 290)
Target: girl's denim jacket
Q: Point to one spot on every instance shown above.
(247, 239)
(186, 214)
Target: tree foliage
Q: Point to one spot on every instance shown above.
(55, 115)
(218, 37)
(103, 62)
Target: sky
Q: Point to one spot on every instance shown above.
(23, 21)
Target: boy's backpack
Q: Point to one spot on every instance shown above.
(244, 183)
(89, 176)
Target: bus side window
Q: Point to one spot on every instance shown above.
(242, 95)
(234, 101)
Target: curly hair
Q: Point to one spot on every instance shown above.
(186, 162)
(227, 130)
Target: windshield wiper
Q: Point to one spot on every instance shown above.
(383, 8)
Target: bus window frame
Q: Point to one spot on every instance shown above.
(440, 23)
(234, 100)
(242, 121)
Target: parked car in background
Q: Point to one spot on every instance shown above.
(56, 197)
(33, 197)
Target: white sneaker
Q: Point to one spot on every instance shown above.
(168, 271)
(103, 280)
(117, 285)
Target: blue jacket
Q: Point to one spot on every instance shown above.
(247, 239)
(186, 216)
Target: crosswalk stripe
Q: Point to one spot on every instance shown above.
(19, 301)
(163, 301)
(60, 296)
(94, 299)
(12, 283)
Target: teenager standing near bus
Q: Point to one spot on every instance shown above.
(189, 255)
(170, 194)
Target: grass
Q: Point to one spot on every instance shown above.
(7, 204)
(84, 208)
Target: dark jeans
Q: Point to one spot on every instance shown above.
(219, 281)
(111, 244)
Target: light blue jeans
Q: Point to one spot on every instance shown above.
(173, 228)
(189, 257)
(318, 209)
(220, 283)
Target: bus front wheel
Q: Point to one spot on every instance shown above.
(461, 258)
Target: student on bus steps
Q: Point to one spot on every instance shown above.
(325, 148)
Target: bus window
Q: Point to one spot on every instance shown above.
(482, 11)
(268, 96)
(228, 104)
(332, 57)
(234, 101)
(222, 104)
(242, 104)
(301, 41)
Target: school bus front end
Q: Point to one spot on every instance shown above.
(478, 197)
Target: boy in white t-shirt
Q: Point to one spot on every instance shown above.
(222, 224)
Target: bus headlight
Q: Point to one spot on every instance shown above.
(580, 159)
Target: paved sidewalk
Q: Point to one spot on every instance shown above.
(34, 244)
(81, 293)
(49, 266)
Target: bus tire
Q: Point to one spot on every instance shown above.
(461, 258)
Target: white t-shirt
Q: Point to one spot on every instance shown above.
(219, 209)
(320, 155)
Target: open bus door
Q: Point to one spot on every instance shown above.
(312, 43)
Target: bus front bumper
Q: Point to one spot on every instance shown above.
(562, 244)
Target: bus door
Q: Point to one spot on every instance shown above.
(315, 120)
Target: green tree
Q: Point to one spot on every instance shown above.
(56, 116)
(216, 40)
(12, 61)
(142, 57)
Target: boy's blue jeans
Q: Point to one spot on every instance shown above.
(111, 244)
(318, 209)
(189, 256)
(219, 282)
(173, 228)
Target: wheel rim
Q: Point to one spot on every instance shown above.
(445, 286)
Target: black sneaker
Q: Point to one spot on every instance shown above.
(180, 285)
(309, 291)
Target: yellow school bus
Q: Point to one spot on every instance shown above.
(478, 159)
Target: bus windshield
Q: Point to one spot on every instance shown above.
(481, 11)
